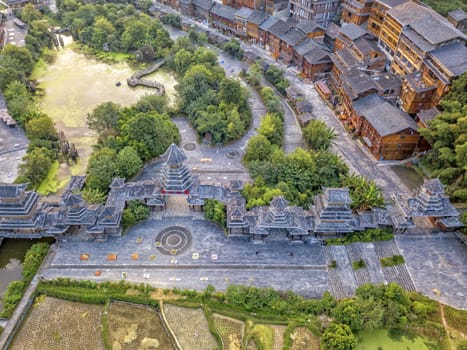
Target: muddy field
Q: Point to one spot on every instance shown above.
(55, 324)
(303, 339)
(190, 327)
(230, 330)
(136, 327)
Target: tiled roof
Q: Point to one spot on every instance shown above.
(352, 31)
(174, 155)
(307, 26)
(453, 56)
(458, 14)
(244, 12)
(384, 117)
(426, 22)
(268, 23)
(257, 17)
(317, 55)
(281, 27)
(392, 3)
(292, 37)
(305, 47)
(224, 11)
(204, 4)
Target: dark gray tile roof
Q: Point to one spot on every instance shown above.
(244, 12)
(356, 82)
(204, 4)
(268, 23)
(427, 115)
(366, 46)
(453, 56)
(10, 191)
(417, 39)
(292, 37)
(174, 155)
(308, 26)
(352, 31)
(386, 81)
(392, 3)
(281, 27)
(317, 55)
(458, 14)
(257, 17)
(224, 11)
(305, 47)
(426, 22)
(332, 30)
(384, 117)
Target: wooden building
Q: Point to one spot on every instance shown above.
(289, 41)
(311, 29)
(276, 31)
(347, 34)
(201, 8)
(263, 30)
(356, 11)
(241, 22)
(254, 20)
(389, 133)
(223, 17)
(458, 18)
(316, 62)
(378, 13)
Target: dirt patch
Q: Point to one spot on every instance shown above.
(230, 330)
(303, 339)
(159, 294)
(190, 327)
(251, 345)
(135, 327)
(55, 324)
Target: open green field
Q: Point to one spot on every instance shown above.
(383, 339)
(444, 6)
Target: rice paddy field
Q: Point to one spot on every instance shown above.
(383, 339)
(54, 324)
(135, 327)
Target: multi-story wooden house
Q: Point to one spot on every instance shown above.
(388, 132)
(311, 29)
(425, 88)
(356, 11)
(254, 20)
(241, 17)
(316, 62)
(223, 17)
(201, 8)
(289, 41)
(277, 30)
(320, 11)
(347, 34)
(378, 13)
(264, 30)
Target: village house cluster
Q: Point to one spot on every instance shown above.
(24, 214)
(397, 55)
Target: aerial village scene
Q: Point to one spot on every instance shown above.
(233, 174)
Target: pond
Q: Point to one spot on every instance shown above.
(74, 84)
(12, 253)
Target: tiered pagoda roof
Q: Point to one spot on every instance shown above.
(175, 177)
(16, 202)
(332, 211)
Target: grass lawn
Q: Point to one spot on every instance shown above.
(383, 339)
(50, 183)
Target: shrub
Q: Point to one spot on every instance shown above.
(360, 264)
(393, 260)
(215, 211)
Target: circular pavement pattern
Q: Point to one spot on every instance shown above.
(189, 146)
(173, 240)
(232, 154)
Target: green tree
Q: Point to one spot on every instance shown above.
(365, 193)
(214, 210)
(152, 103)
(259, 148)
(94, 196)
(230, 91)
(29, 13)
(20, 57)
(338, 337)
(271, 127)
(41, 128)
(104, 117)
(318, 135)
(233, 48)
(36, 166)
(102, 167)
(348, 312)
(128, 162)
(254, 74)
